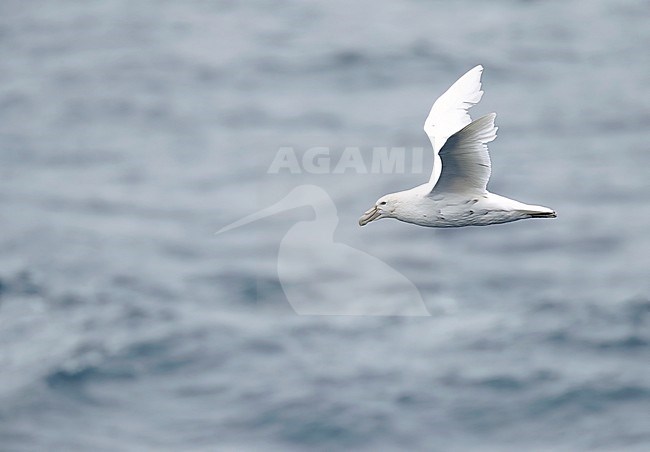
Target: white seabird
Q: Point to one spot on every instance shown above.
(456, 195)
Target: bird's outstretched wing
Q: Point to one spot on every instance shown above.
(465, 158)
(449, 113)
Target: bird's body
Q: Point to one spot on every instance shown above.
(452, 210)
(456, 195)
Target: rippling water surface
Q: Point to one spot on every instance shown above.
(131, 131)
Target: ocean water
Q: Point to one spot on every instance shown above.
(131, 131)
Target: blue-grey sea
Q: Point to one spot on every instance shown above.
(130, 132)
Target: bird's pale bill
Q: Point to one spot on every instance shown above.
(369, 215)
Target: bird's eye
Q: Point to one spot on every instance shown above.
(383, 203)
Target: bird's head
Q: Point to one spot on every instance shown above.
(383, 208)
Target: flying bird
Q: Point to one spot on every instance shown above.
(456, 194)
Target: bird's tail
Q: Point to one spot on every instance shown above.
(540, 212)
(543, 215)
